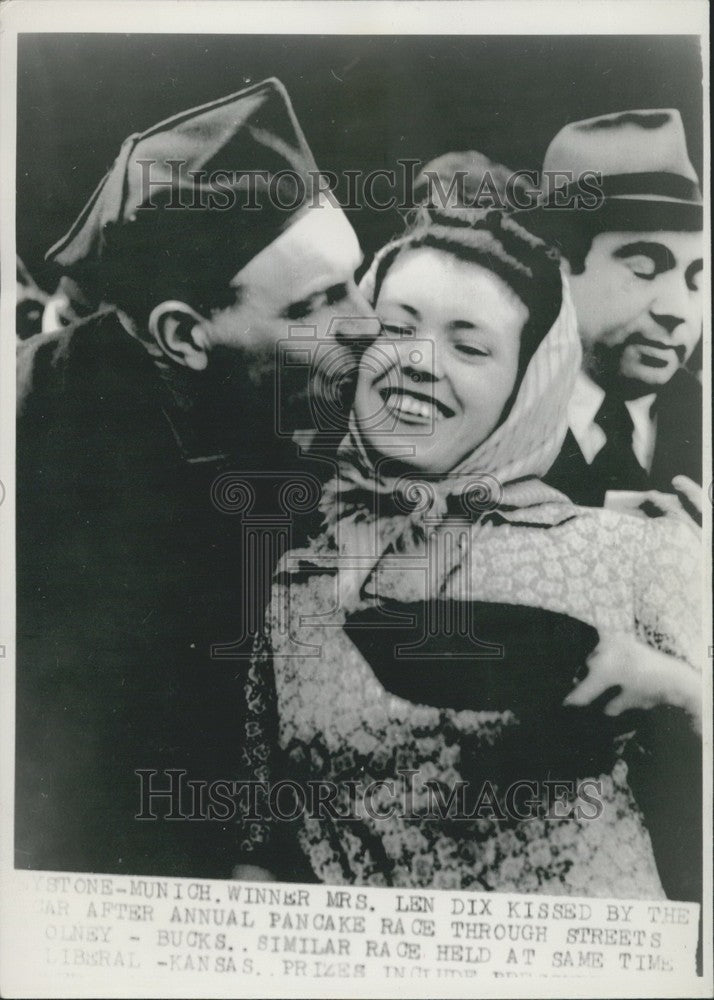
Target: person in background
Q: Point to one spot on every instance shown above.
(139, 432)
(68, 304)
(634, 263)
(468, 179)
(635, 272)
(30, 304)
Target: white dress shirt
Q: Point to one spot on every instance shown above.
(584, 404)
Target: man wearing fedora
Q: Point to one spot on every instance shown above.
(131, 423)
(634, 262)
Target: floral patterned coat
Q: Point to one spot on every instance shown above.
(319, 712)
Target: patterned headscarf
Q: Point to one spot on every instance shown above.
(368, 514)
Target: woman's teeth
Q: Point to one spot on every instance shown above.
(419, 410)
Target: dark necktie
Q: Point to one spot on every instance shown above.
(615, 466)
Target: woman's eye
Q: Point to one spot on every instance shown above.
(336, 293)
(472, 352)
(299, 310)
(642, 267)
(397, 330)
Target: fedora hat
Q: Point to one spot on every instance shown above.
(644, 177)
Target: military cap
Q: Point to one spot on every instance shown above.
(190, 201)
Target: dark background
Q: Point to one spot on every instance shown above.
(364, 102)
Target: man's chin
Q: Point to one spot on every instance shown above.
(645, 377)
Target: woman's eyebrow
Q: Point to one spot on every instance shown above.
(409, 309)
(299, 308)
(661, 256)
(464, 324)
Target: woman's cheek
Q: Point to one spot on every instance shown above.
(474, 389)
(488, 395)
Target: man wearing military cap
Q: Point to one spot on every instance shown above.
(208, 239)
(634, 261)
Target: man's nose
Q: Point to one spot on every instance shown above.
(671, 305)
(667, 321)
(354, 319)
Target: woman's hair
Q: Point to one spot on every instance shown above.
(498, 244)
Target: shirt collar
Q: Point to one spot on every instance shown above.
(641, 408)
(584, 404)
(588, 397)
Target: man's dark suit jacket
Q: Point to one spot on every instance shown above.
(678, 446)
(127, 573)
(665, 760)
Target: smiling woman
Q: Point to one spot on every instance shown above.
(455, 331)
(454, 340)
(426, 642)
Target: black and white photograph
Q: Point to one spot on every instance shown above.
(356, 507)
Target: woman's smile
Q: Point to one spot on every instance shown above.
(435, 385)
(416, 408)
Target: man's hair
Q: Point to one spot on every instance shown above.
(498, 244)
(146, 263)
(572, 232)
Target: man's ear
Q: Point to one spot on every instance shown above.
(181, 333)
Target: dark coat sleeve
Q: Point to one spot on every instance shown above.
(126, 575)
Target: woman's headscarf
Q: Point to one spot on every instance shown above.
(368, 514)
